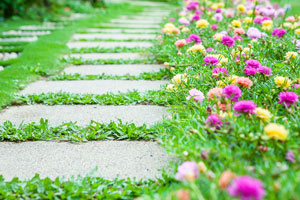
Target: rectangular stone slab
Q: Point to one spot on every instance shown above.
(36, 27)
(19, 39)
(115, 36)
(97, 56)
(113, 69)
(83, 114)
(79, 45)
(135, 21)
(92, 86)
(31, 33)
(148, 31)
(123, 159)
(130, 25)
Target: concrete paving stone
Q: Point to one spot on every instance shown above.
(31, 33)
(92, 86)
(99, 56)
(115, 70)
(116, 36)
(148, 31)
(122, 159)
(79, 45)
(135, 21)
(131, 25)
(83, 114)
(8, 56)
(39, 27)
(19, 39)
(137, 17)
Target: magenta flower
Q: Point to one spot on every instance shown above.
(250, 71)
(246, 188)
(289, 156)
(258, 20)
(232, 92)
(245, 106)
(220, 70)
(188, 171)
(196, 95)
(184, 21)
(209, 60)
(193, 38)
(213, 120)
(214, 27)
(227, 41)
(192, 5)
(279, 32)
(296, 86)
(265, 70)
(237, 37)
(196, 18)
(253, 63)
(288, 98)
(172, 19)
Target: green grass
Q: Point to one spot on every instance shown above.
(295, 5)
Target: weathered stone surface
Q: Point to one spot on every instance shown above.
(19, 39)
(24, 33)
(135, 21)
(36, 27)
(115, 36)
(97, 56)
(148, 31)
(83, 114)
(133, 159)
(90, 44)
(112, 69)
(131, 25)
(92, 86)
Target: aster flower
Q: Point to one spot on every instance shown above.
(288, 98)
(188, 171)
(246, 188)
(193, 38)
(232, 92)
(213, 120)
(196, 95)
(227, 41)
(210, 60)
(245, 106)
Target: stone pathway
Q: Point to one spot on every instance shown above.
(137, 159)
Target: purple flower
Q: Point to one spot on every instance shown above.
(184, 21)
(258, 20)
(196, 18)
(237, 37)
(218, 10)
(172, 19)
(193, 38)
(214, 121)
(289, 156)
(250, 71)
(210, 60)
(232, 92)
(188, 171)
(254, 33)
(218, 17)
(219, 70)
(265, 70)
(227, 41)
(245, 106)
(296, 86)
(253, 63)
(288, 98)
(246, 188)
(196, 95)
(209, 49)
(279, 32)
(214, 27)
(192, 6)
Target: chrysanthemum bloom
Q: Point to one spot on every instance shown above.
(246, 188)
(180, 43)
(276, 131)
(227, 41)
(279, 32)
(265, 70)
(202, 23)
(214, 93)
(209, 60)
(184, 21)
(263, 114)
(253, 63)
(282, 81)
(232, 92)
(226, 178)
(245, 106)
(193, 38)
(213, 120)
(197, 48)
(254, 33)
(196, 95)
(289, 156)
(246, 82)
(288, 98)
(250, 71)
(219, 70)
(188, 171)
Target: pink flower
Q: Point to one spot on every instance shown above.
(214, 121)
(209, 60)
(239, 31)
(254, 33)
(250, 71)
(193, 38)
(196, 95)
(219, 70)
(289, 156)
(227, 41)
(214, 27)
(184, 21)
(218, 17)
(278, 32)
(237, 37)
(196, 18)
(253, 63)
(188, 171)
(172, 19)
(246, 82)
(180, 43)
(246, 188)
(232, 92)
(192, 6)
(214, 93)
(288, 98)
(245, 106)
(265, 70)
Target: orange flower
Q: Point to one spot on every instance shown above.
(226, 178)
(215, 93)
(183, 195)
(246, 82)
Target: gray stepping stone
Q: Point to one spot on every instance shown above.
(116, 36)
(113, 69)
(79, 45)
(92, 86)
(83, 114)
(131, 25)
(96, 30)
(19, 39)
(135, 21)
(24, 33)
(114, 159)
(40, 27)
(97, 56)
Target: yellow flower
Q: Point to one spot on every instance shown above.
(276, 131)
(246, 50)
(169, 25)
(282, 81)
(267, 23)
(218, 36)
(221, 5)
(185, 30)
(202, 23)
(248, 20)
(171, 87)
(297, 31)
(232, 79)
(236, 23)
(263, 114)
(291, 55)
(179, 78)
(250, 12)
(214, 6)
(221, 84)
(197, 48)
(241, 8)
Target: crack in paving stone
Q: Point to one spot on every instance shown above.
(79, 45)
(99, 56)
